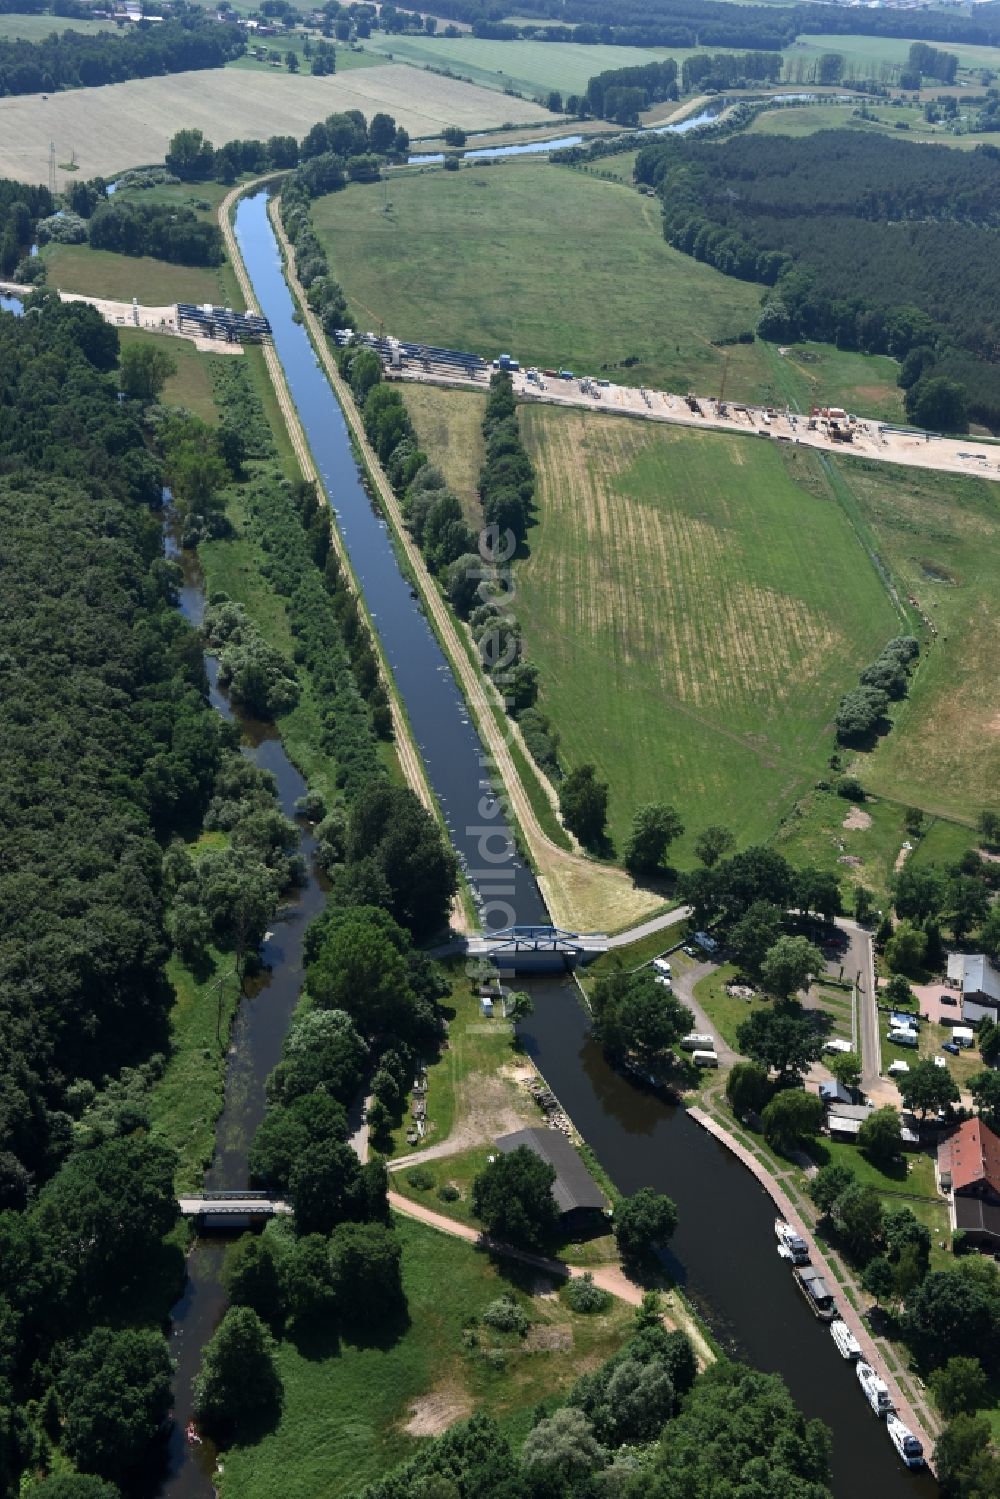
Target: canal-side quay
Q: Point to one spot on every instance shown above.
(786, 1209)
(723, 1256)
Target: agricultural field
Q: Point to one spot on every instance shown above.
(528, 67)
(940, 537)
(353, 1410)
(36, 28)
(104, 273)
(696, 605)
(554, 265)
(131, 124)
(883, 49)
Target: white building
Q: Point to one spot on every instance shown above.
(979, 983)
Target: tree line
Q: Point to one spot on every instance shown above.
(867, 241)
(163, 230)
(78, 60)
(112, 760)
(693, 23)
(21, 206)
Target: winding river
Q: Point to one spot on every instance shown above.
(724, 1251)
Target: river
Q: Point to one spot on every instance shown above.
(255, 1048)
(563, 142)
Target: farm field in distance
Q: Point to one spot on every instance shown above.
(806, 119)
(535, 67)
(131, 124)
(35, 28)
(696, 605)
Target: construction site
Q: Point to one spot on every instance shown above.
(829, 428)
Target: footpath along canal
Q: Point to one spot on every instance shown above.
(724, 1253)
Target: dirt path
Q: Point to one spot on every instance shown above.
(610, 1278)
(406, 751)
(579, 893)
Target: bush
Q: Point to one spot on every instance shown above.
(448, 1193)
(581, 1295)
(420, 1178)
(504, 1315)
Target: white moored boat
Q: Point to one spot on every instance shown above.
(905, 1443)
(847, 1344)
(791, 1246)
(876, 1391)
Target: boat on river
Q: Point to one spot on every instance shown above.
(906, 1444)
(847, 1344)
(816, 1291)
(876, 1390)
(791, 1246)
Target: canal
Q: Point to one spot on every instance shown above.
(724, 1252)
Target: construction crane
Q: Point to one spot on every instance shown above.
(721, 406)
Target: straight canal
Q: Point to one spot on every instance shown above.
(724, 1250)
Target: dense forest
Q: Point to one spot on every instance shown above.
(159, 229)
(716, 23)
(76, 59)
(869, 242)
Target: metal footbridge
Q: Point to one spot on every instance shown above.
(536, 947)
(235, 1205)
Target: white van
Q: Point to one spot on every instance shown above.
(705, 1058)
(904, 1038)
(694, 1041)
(897, 1069)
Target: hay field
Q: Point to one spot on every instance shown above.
(530, 67)
(130, 124)
(36, 28)
(941, 537)
(696, 605)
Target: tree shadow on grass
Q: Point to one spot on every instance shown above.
(386, 1327)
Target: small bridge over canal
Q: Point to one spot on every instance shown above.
(235, 1207)
(537, 948)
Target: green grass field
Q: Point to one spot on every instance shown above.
(191, 384)
(529, 67)
(941, 538)
(36, 28)
(353, 1412)
(696, 604)
(103, 273)
(554, 265)
(295, 41)
(884, 119)
(448, 424)
(878, 49)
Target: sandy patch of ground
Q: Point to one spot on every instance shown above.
(542, 1339)
(857, 820)
(434, 1413)
(851, 859)
(903, 855)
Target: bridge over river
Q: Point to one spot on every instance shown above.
(236, 1206)
(537, 949)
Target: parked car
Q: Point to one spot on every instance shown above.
(949, 999)
(692, 952)
(951, 1048)
(705, 942)
(662, 965)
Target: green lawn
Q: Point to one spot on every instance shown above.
(726, 1011)
(883, 118)
(554, 265)
(962, 1067)
(103, 273)
(347, 60)
(347, 1407)
(696, 604)
(940, 536)
(878, 49)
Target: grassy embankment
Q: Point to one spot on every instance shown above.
(352, 1412)
(883, 118)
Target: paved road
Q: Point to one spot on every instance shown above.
(859, 966)
(659, 923)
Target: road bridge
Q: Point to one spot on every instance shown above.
(536, 948)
